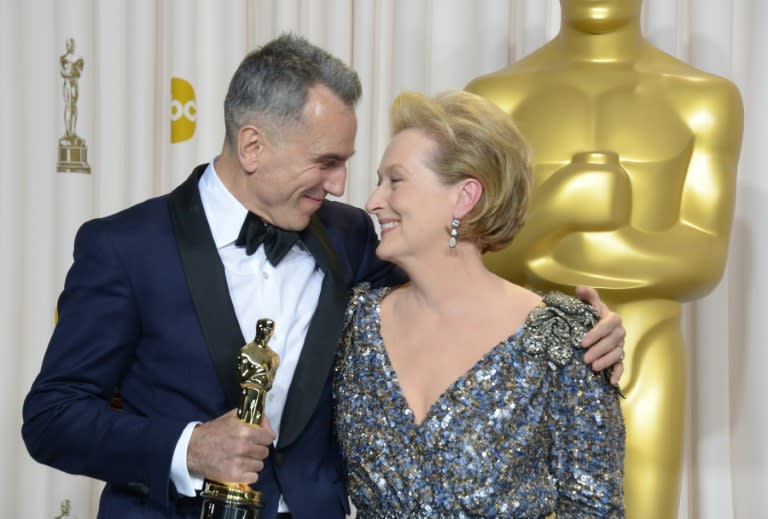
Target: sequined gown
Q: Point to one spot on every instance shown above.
(527, 431)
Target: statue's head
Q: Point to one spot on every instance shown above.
(599, 16)
(70, 44)
(264, 329)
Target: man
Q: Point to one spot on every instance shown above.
(162, 296)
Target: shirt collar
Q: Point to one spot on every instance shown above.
(225, 214)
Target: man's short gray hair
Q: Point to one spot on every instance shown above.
(271, 85)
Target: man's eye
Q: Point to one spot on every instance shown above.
(331, 164)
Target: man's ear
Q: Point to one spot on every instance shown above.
(468, 194)
(251, 142)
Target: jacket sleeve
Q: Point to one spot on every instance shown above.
(68, 422)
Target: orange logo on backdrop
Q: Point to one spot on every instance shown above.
(183, 110)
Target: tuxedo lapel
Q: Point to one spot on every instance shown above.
(207, 282)
(317, 355)
(210, 295)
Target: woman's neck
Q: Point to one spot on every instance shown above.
(447, 284)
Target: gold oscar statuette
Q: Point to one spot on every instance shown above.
(256, 366)
(73, 153)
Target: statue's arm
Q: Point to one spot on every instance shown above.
(686, 259)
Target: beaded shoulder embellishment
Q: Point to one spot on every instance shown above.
(557, 328)
(355, 297)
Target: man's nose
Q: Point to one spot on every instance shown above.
(336, 181)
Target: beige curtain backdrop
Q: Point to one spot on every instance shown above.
(131, 50)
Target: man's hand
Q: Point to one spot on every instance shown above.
(229, 450)
(605, 342)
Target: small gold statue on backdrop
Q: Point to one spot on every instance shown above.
(73, 153)
(64, 509)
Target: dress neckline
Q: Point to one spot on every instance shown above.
(407, 410)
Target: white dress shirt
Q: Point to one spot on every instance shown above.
(287, 294)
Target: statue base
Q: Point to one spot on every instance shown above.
(73, 156)
(230, 501)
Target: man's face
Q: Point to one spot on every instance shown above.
(300, 165)
(597, 16)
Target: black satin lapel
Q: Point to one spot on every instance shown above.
(317, 355)
(207, 282)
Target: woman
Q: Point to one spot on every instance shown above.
(461, 394)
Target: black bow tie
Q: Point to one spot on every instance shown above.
(277, 242)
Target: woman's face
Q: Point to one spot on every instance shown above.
(599, 16)
(413, 206)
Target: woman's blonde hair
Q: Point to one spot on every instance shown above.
(476, 139)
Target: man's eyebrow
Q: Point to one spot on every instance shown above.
(336, 157)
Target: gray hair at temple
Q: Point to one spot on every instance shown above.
(270, 87)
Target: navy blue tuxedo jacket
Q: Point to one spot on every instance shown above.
(146, 308)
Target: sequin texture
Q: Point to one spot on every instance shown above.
(528, 431)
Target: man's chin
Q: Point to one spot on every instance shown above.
(299, 223)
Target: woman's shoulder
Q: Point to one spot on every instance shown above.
(362, 297)
(554, 329)
(365, 293)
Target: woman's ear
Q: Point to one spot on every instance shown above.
(251, 142)
(469, 192)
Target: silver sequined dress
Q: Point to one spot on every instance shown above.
(527, 431)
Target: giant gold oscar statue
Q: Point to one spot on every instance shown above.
(257, 364)
(635, 163)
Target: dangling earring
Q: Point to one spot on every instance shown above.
(454, 233)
